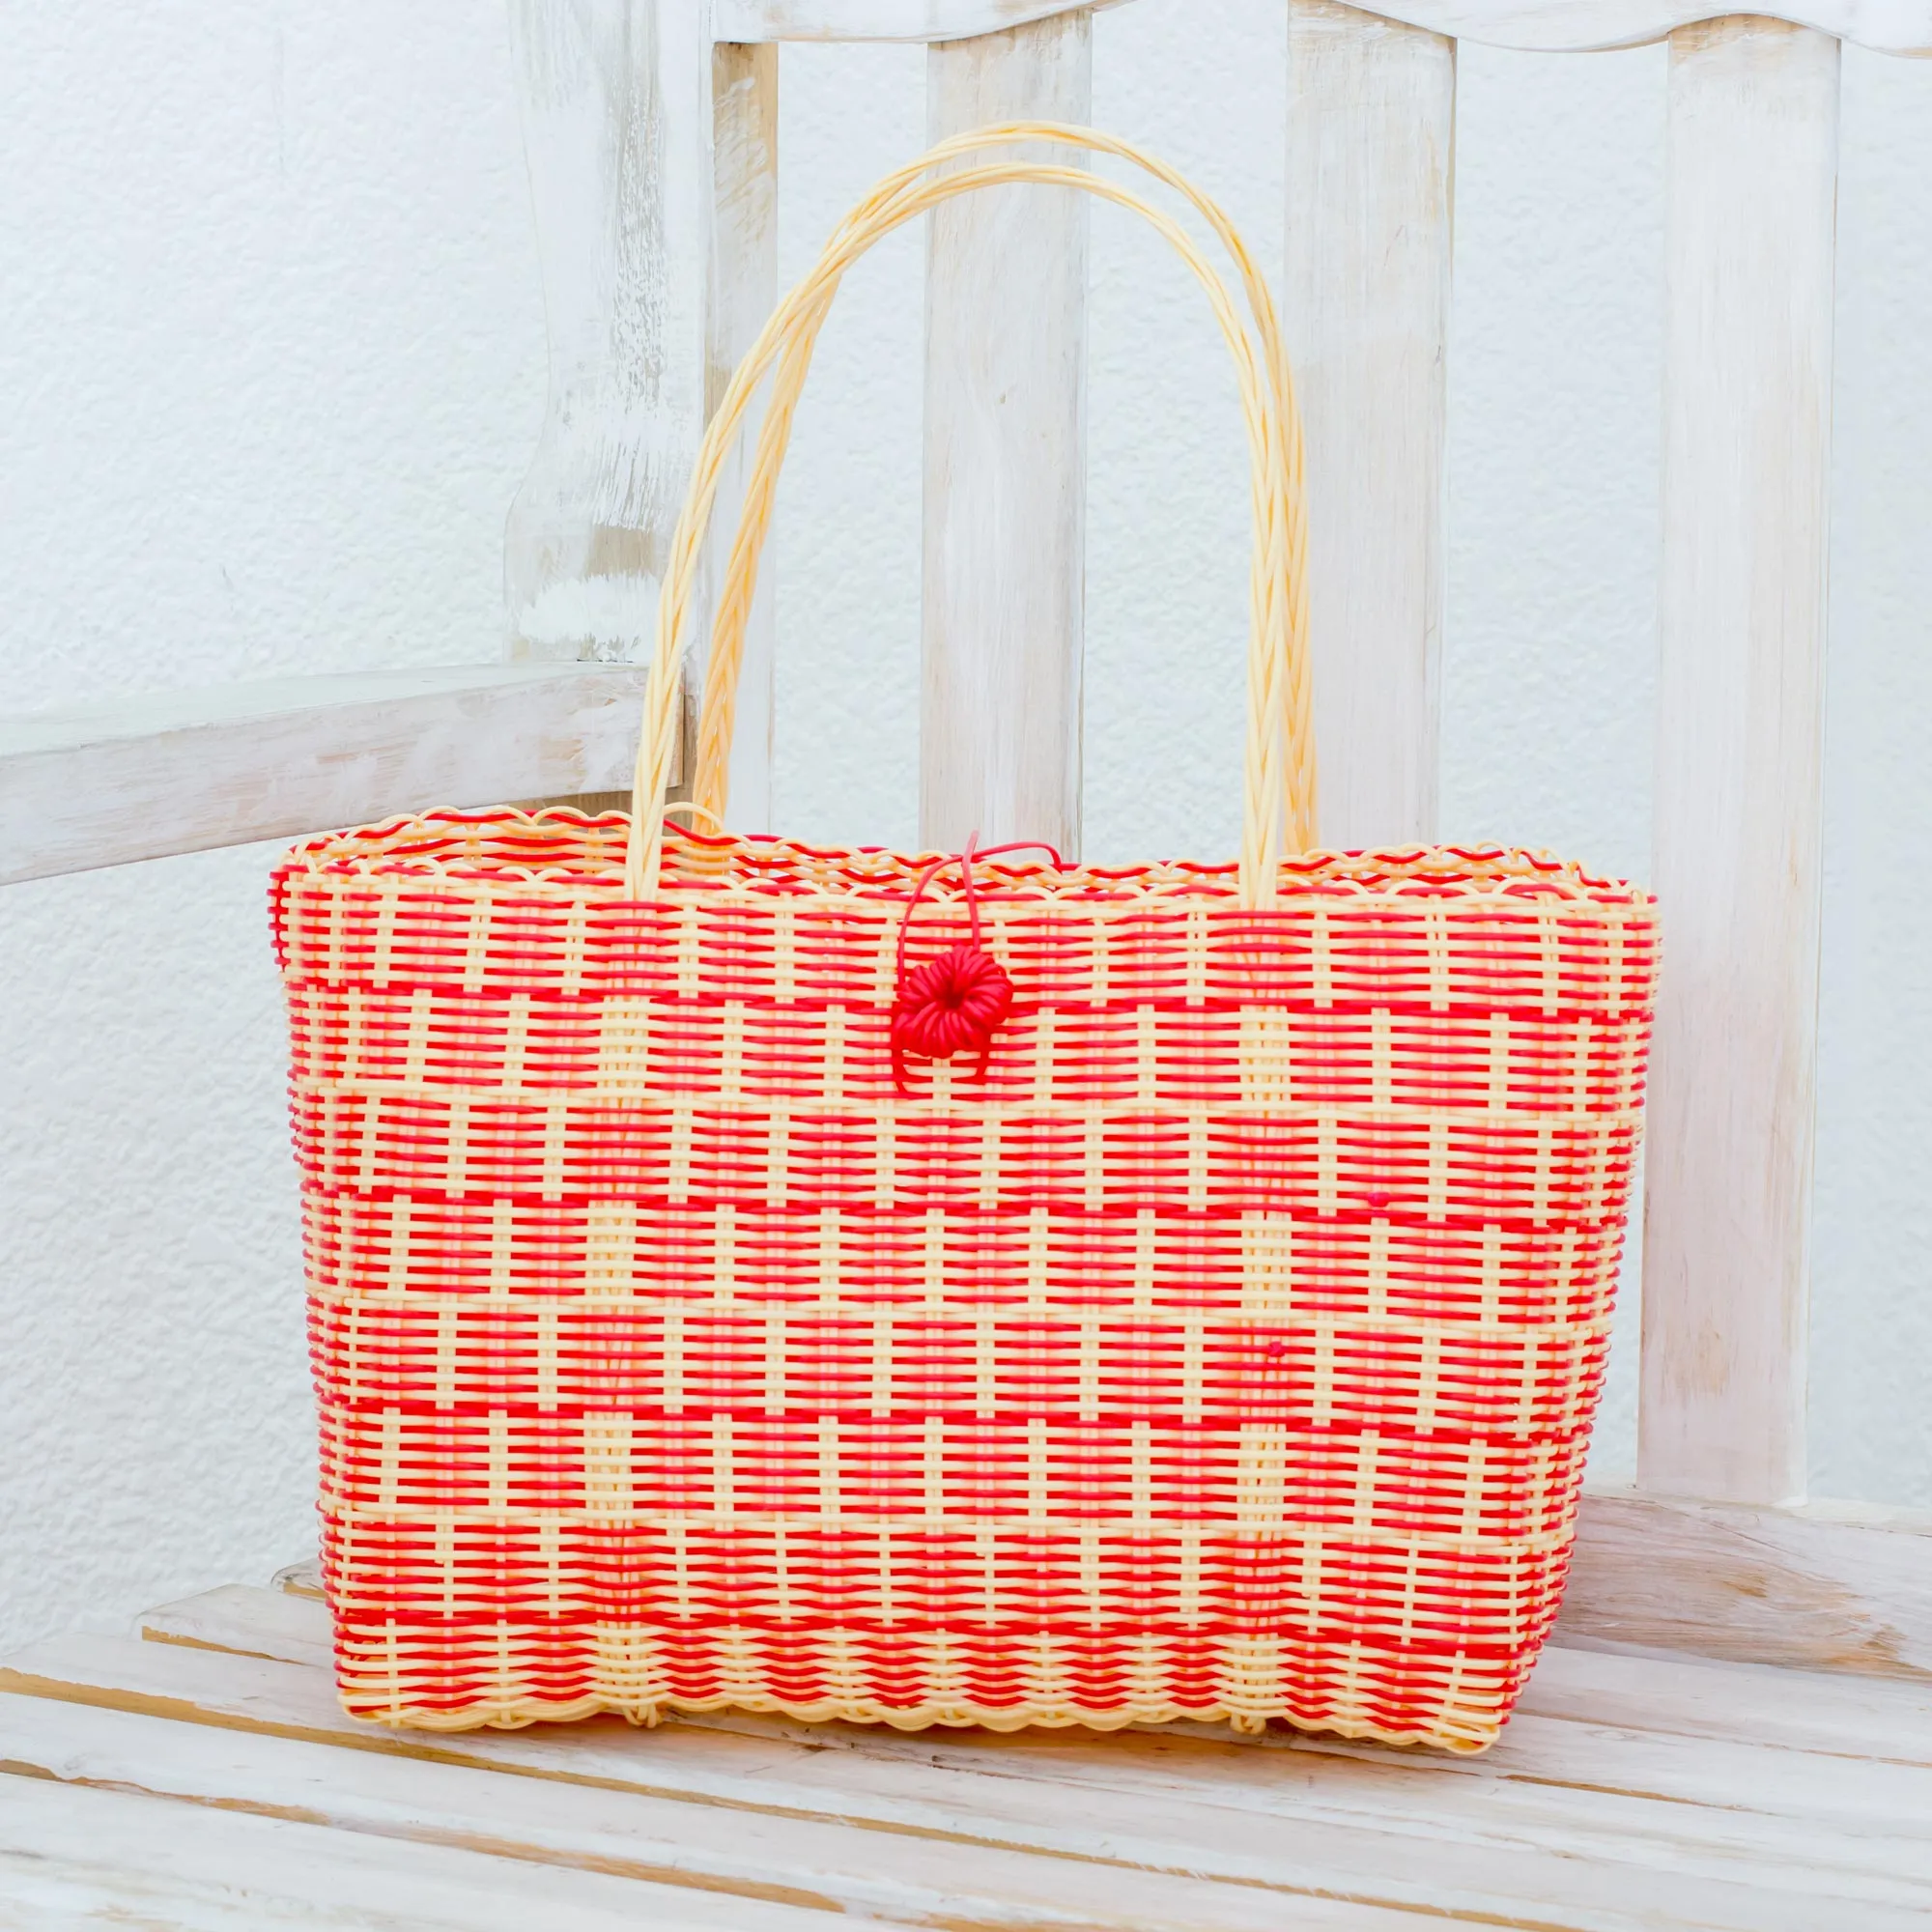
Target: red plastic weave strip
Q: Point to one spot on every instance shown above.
(1226, 1348)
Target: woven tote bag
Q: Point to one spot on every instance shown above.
(955, 1289)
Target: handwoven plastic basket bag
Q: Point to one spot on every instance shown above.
(944, 1289)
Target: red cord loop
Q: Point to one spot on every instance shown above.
(955, 1003)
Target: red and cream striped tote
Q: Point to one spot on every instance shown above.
(971, 1289)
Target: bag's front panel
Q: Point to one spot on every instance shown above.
(1227, 1347)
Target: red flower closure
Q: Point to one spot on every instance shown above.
(955, 1003)
(950, 1006)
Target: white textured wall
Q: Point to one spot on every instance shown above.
(271, 344)
(272, 361)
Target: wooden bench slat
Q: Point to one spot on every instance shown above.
(1005, 459)
(628, 1835)
(70, 1855)
(1745, 1703)
(276, 1624)
(820, 1862)
(1547, 1773)
(1449, 1831)
(1751, 193)
(1750, 1704)
(1824, 1588)
(744, 290)
(1371, 130)
(1545, 26)
(188, 771)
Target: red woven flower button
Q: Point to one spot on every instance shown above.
(950, 1006)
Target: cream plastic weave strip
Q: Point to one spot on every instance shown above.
(1280, 761)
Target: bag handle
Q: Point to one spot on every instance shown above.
(1280, 774)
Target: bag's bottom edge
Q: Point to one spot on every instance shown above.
(1465, 1730)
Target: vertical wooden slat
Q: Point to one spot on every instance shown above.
(1005, 459)
(618, 113)
(1371, 125)
(744, 287)
(1753, 131)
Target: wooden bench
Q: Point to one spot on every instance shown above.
(200, 1775)
(1735, 1727)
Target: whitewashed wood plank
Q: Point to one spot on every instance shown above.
(1825, 1587)
(1370, 132)
(747, 1851)
(42, 1891)
(1550, 26)
(1682, 1791)
(1832, 1587)
(185, 771)
(1175, 1798)
(1755, 1704)
(72, 1855)
(744, 288)
(617, 127)
(277, 1623)
(1107, 1857)
(39, 1893)
(1752, 194)
(1006, 294)
(1745, 1702)
(1580, 26)
(300, 1579)
(928, 20)
(1813, 1592)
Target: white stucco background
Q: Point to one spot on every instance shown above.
(271, 359)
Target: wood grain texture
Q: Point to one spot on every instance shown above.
(1751, 187)
(1761, 1705)
(1830, 1587)
(1582, 26)
(1370, 132)
(74, 1855)
(185, 771)
(617, 112)
(1586, 1676)
(288, 1625)
(1619, 1813)
(1553, 26)
(1005, 293)
(930, 20)
(1157, 1790)
(302, 1578)
(653, 1834)
(744, 289)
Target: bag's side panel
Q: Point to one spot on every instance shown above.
(1227, 1350)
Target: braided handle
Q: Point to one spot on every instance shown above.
(1280, 764)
